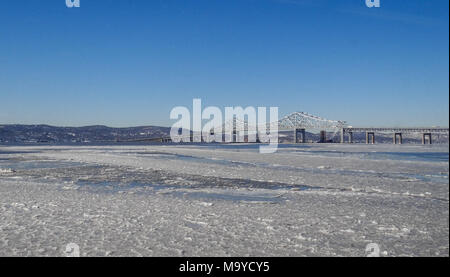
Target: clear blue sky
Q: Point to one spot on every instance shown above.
(128, 62)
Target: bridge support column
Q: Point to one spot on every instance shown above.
(400, 138)
(370, 136)
(323, 137)
(350, 136)
(424, 138)
(300, 136)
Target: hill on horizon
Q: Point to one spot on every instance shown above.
(17, 133)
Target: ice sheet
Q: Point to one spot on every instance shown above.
(184, 200)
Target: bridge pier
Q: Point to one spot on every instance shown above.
(424, 138)
(400, 138)
(370, 136)
(350, 137)
(300, 133)
(323, 137)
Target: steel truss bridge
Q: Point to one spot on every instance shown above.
(299, 122)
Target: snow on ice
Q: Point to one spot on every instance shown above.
(224, 200)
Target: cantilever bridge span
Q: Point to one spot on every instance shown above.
(299, 122)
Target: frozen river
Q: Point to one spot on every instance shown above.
(224, 200)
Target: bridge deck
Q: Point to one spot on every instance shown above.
(397, 130)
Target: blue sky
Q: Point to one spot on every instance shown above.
(129, 62)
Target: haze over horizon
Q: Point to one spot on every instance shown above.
(169, 126)
(128, 63)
